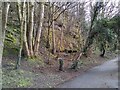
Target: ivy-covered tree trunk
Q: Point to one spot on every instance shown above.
(88, 43)
(89, 40)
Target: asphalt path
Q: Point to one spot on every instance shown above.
(102, 76)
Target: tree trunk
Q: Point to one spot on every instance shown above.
(31, 23)
(102, 50)
(103, 53)
(53, 35)
(1, 45)
(1, 34)
(5, 11)
(22, 16)
(61, 38)
(48, 40)
(88, 43)
(25, 34)
(28, 19)
(37, 39)
(90, 37)
(49, 18)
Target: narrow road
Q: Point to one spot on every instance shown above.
(103, 76)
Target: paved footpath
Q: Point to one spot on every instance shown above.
(103, 76)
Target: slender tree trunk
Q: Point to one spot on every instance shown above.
(5, 11)
(53, 35)
(1, 45)
(28, 19)
(48, 40)
(102, 50)
(61, 38)
(37, 39)
(22, 16)
(103, 53)
(25, 35)
(31, 23)
(118, 37)
(1, 36)
(49, 18)
(28, 12)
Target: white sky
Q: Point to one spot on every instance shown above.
(116, 1)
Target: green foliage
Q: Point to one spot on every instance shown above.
(15, 78)
(12, 34)
(11, 44)
(10, 49)
(24, 82)
(114, 22)
(104, 33)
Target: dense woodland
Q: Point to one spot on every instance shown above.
(26, 24)
(44, 30)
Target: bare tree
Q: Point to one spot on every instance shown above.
(37, 38)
